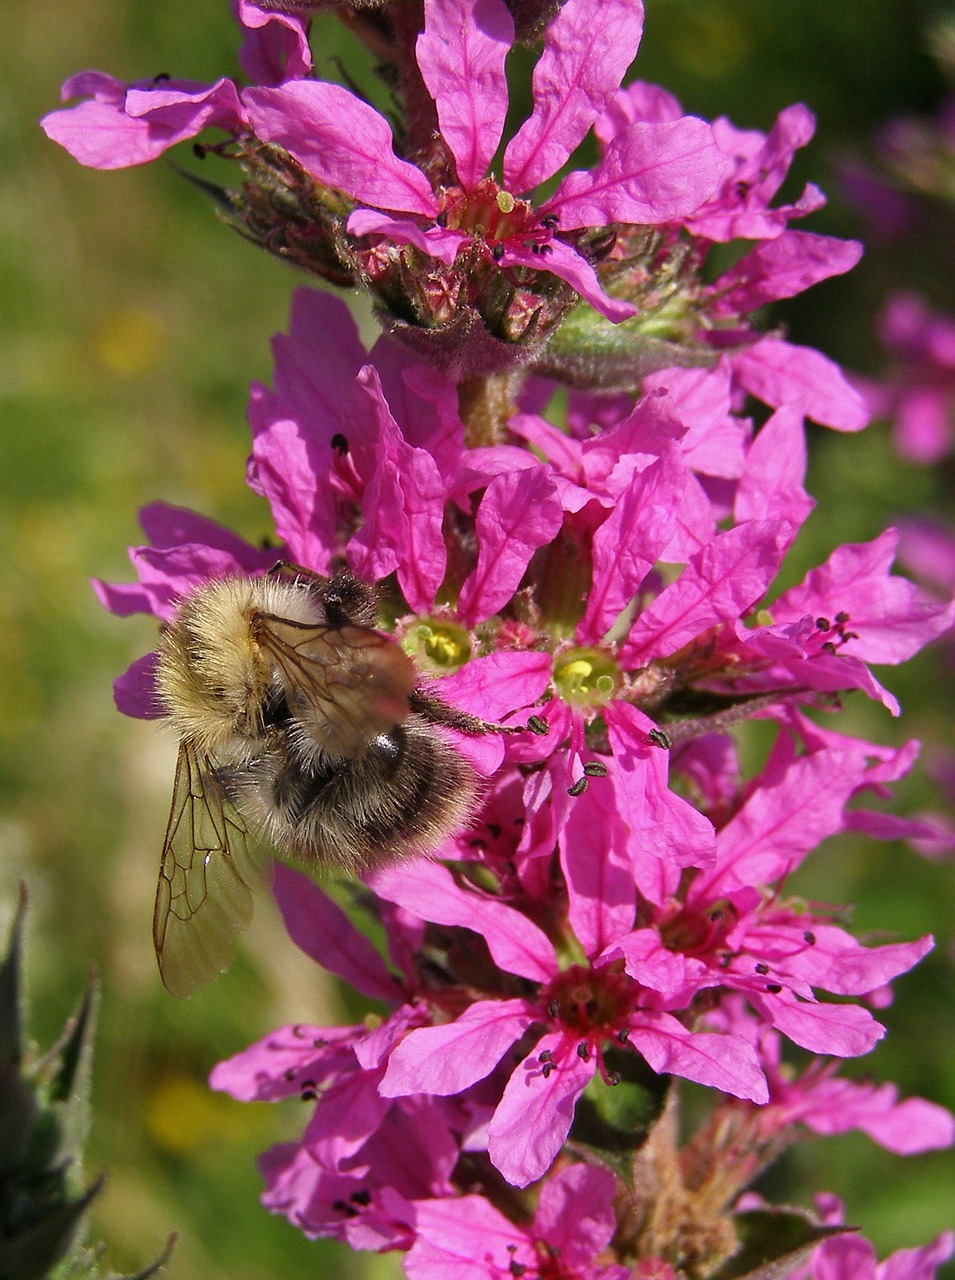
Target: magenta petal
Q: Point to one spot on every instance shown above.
(443, 1060)
(771, 486)
(722, 581)
(569, 265)
(601, 903)
(465, 1238)
(723, 1061)
(781, 373)
(519, 512)
(587, 49)
(575, 1213)
(134, 692)
(535, 1112)
(275, 47)
(497, 686)
(651, 173)
(461, 57)
(843, 1030)
(427, 890)
(341, 141)
(435, 241)
(323, 931)
(783, 267)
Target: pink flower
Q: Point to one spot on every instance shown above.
(469, 1239)
(919, 393)
(651, 172)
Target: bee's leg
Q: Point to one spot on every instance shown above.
(439, 712)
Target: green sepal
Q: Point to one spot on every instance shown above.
(614, 1122)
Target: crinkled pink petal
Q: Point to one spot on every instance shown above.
(781, 268)
(536, 1111)
(722, 1061)
(518, 513)
(722, 581)
(650, 174)
(566, 263)
(630, 541)
(427, 890)
(838, 963)
(323, 931)
(714, 442)
(465, 1238)
(276, 1067)
(575, 1213)
(348, 1113)
(317, 361)
(438, 242)
(275, 45)
(121, 126)
(461, 56)
(638, 101)
(781, 822)
(587, 49)
(771, 486)
(655, 966)
(781, 373)
(891, 618)
(666, 832)
(601, 905)
(287, 468)
(341, 141)
(499, 685)
(445, 1059)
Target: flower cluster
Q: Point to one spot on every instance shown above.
(598, 577)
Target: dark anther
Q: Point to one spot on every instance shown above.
(623, 1035)
(362, 1197)
(553, 1008)
(773, 988)
(578, 788)
(547, 1068)
(583, 1052)
(309, 1095)
(497, 252)
(809, 938)
(339, 443)
(163, 78)
(517, 1268)
(550, 222)
(494, 829)
(842, 618)
(441, 219)
(828, 646)
(613, 1078)
(544, 249)
(199, 151)
(823, 624)
(341, 1207)
(726, 959)
(545, 1056)
(319, 1043)
(762, 967)
(538, 725)
(716, 915)
(595, 769)
(660, 739)
(290, 1074)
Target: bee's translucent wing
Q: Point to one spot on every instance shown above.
(206, 879)
(345, 685)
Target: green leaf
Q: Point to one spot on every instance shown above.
(773, 1243)
(31, 1252)
(613, 1122)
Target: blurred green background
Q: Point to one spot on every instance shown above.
(132, 323)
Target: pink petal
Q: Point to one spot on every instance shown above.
(599, 881)
(783, 267)
(566, 263)
(780, 373)
(341, 141)
(427, 890)
(722, 581)
(843, 1030)
(587, 49)
(323, 931)
(461, 57)
(651, 173)
(465, 1238)
(499, 685)
(535, 1113)
(771, 486)
(629, 542)
(134, 692)
(442, 1060)
(275, 45)
(575, 1213)
(723, 1061)
(518, 513)
(437, 242)
(714, 442)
